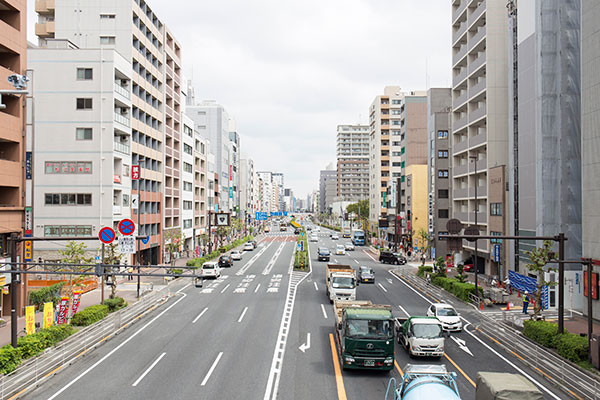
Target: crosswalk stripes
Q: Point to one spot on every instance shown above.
(247, 285)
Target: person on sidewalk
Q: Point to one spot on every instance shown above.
(525, 301)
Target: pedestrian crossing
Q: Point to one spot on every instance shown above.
(248, 284)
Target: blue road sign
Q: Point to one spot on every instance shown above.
(261, 216)
(416, 248)
(285, 213)
(301, 233)
(126, 227)
(433, 252)
(146, 239)
(106, 235)
(496, 253)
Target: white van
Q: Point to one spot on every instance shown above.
(211, 269)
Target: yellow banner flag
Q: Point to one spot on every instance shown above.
(48, 314)
(30, 320)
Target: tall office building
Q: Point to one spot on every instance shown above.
(480, 120)
(327, 189)
(353, 162)
(247, 191)
(13, 180)
(590, 133)
(439, 107)
(136, 32)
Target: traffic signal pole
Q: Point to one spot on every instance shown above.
(13, 290)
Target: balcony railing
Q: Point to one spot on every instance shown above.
(462, 75)
(459, 55)
(478, 62)
(122, 91)
(460, 123)
(477, 13)
(122, 119)
(477, 114)
(477, 37)
(477, 88)
(121, 147)
(459, 11)
(477, 140)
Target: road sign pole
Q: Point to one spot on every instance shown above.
(102, 269)
(13, 290)
(139, 250)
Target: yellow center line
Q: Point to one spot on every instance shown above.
(460, 370)
(398, 368)
(339, 380)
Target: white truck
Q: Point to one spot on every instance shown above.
(421, 336)
(340, 282)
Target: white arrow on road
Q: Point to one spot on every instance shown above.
(462, 344)
(305, 346)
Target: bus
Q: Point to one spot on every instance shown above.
(358, 237)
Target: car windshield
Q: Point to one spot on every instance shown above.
(367, 271)
(208, 266)
(446, 312)
(427, 331)
(374, 329)
(343, 283)
(324, 251)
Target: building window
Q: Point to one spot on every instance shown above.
(187, 167)
(83, 133)
(84, 104)
(125, 200)
(443, 214)
(68, 167)
(443, 154)
(396, 101)
(442, 193)
(187, 186)
(188, 131)
(85, 74)
(396, 122)
(443, 173)
(187, 223)
(107, 16)
(188, 149)
(67, 230)
(187, 204)
(442, 134)
(440, 235)
(107, 40)
(496, 209)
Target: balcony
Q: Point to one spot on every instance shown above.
(462, 52)
(121, 147)
(460, 170)
(122, 119)
(122, 91)
(10, 173)
(478, 114)
(44, 6)
(477, 63)
(477, 140)
(460, 123)
(11, 127)
(460, 194)
(459, 33)
(461, 216)
(460, 146)
(45, 29)
(474, 41)
(460, 100)
(458, 12)
(478, 87)
(458, 79)
(116, 210)
(481, 190)
(477, 13)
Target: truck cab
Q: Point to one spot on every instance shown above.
(365, 335)
(341, 282)
(421, 336)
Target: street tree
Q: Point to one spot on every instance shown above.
(112, 257)
(173, 239)
(362, 206)
(425, 241)
(539, 259)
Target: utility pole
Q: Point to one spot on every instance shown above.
(561, 283)
(209, 232)
(397, 221)
(476, 260)
(13, 290)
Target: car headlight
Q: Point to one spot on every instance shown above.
(349, 359)
(388, 360)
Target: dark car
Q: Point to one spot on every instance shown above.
(324, 254)
(366, 274)
(296, 231)
(387, 257)
(225, 261)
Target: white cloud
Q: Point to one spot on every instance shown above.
(291, 71)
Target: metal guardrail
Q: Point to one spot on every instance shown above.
(422, 284)
(34, 371)
(561, 373)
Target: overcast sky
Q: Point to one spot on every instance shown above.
(291, 71)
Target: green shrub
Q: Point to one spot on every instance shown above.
(542, 332)
(45, 295)
(30, 346)
(115, 304)
(572, 347)
(10, 358)
(424, 269)
(90, 315)
(454, 286)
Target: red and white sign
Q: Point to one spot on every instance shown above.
(63, 307)
(135, 172)
(230, 172)
(117, 178)
(76, 300)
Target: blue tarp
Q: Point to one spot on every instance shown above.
(526, 283)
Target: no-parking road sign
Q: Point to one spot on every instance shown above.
(106, 235)
(126, 227)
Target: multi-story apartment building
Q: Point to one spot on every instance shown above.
(590, 134)
(246, 189)
(188, 184)
(200, 187)
(136, 32)
(353, 162)
(327, 189)
(439, 107)
(479, 115)
(82, 164)
(234, 173)
(13, 60)
(278, 182)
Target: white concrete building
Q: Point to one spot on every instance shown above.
(187, 183)
(82, 163)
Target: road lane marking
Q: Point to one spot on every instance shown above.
(273, 260)
(519, 370)
(339, 380)
(148, 370)
(113, 351)
(382, 288)
(356, 261)
(323, 309)
(225, 288)
(403, 310)
(398, 368)
(243, 313)
(316, 287)
(199, 315)
(460, 370)
(257, 286)
(364, 251)
(212, 368)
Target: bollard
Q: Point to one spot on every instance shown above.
(481, 305)
(508, 306)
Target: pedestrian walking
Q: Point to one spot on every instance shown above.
(525, 301)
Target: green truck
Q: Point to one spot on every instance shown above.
(364, 335)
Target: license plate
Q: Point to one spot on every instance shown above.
(369, 363)
(367, 280)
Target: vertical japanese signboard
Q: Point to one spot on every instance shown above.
(63, 307)
(135, 172)
(76, 300)
(48, 314)
(30, 320)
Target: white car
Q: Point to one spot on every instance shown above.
(340, 250)
(211, 270)
(349, 246)
(335, 237)
(447, 315)
(314, 238)
(236, 255)
(248, 247)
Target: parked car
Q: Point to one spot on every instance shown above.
(236, 255)
(335, 236)
(340, 250)
(249, 246)
(388, 257)
(366, 274)
(253, 243)
(296, 231)
(225, 261)
(324, 254)
(447, 315)
(349, 246)
(211, 269)
(309, 228)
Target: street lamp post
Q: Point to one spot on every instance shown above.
(476, 261)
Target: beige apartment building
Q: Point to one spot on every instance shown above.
(479, 116)
(352, 162)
